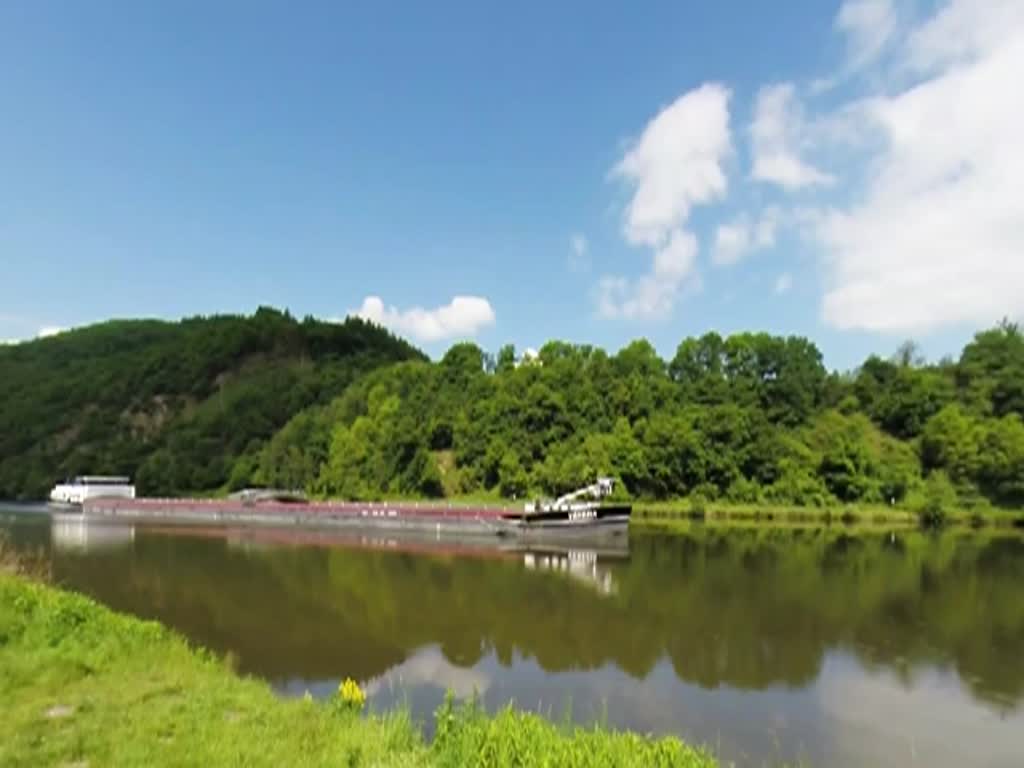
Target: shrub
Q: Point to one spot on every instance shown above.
(938, 500)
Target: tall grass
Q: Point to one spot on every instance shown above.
(466, 735)
(848, 514)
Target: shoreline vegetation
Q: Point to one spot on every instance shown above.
(83, 685)
(745, 422)
(655, 513)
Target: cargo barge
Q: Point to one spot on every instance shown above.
(565, 517)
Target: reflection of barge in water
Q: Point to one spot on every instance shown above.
(565, 517)
(77, 533)
(587, 562)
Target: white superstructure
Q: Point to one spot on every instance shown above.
(78, 489)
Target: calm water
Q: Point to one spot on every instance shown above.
(768, 645)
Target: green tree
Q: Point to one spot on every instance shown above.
(506, 359)
(512, 478)
(951, 441)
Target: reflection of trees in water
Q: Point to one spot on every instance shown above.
(747, 608)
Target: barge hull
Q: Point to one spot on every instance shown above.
(412, 517)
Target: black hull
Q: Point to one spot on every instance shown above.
(609, 515)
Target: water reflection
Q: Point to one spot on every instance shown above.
(581, 564)
(768, 644)
(72, 532)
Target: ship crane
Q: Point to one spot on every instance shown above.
(600, 489)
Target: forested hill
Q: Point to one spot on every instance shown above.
(178, 406)
(209, 404)
(750, 418)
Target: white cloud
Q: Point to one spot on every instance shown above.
(43, 333)
(869, 26)
(675, 260)
(936, 238)
(783, 283)
(675, 164)
(779, 135)
(651, 295)
(732, 241)
(924, 228)
(963, 29)
(579, 248)
(741, 236)
(463, 316)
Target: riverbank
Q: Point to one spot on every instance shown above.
(656, 512)
(646, 512)
(84, 685)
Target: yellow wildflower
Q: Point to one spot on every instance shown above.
(352, 695)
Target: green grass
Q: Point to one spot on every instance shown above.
(81, 684)
(467, 736)
(656, 512)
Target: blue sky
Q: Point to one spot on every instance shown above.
(590, 172)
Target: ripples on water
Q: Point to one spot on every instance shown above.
(768, 645)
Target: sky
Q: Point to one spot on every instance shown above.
(519, 172)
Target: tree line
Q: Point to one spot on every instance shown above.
(750, 418)
(212, 404)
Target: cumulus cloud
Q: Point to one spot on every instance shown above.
(736, 239)
(936, 237)
(779, 135)
(676, 163)
(909, 183)
(783, 283)
(463, 316)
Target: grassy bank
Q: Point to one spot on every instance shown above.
(82, 685)
(851, 514)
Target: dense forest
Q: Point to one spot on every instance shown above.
(215, 404)
(751, 418)
(178, 406)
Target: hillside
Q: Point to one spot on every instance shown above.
(752, 418)
(208, 404)
(177, 405)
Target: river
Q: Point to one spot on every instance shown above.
(769, 645)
